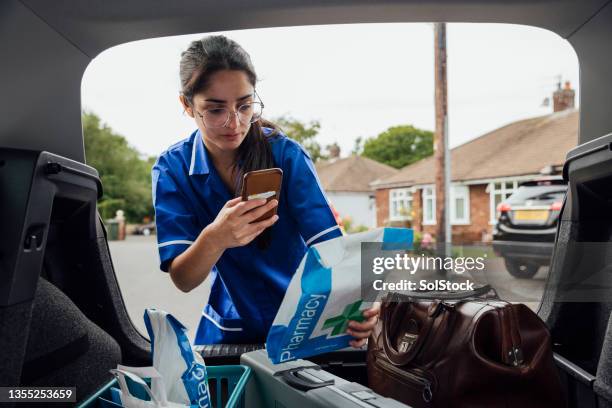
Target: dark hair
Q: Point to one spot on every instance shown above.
(198, 63)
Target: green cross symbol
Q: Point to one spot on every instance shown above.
(340, 322)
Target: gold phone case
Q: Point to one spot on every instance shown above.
(263, 184)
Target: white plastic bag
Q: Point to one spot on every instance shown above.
(156, 393)
(183, 371)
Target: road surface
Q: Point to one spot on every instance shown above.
(143, 285)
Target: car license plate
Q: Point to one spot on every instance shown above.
(531, 215)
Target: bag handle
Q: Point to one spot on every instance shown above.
(136, 374)
(125, 391)
(293, 378)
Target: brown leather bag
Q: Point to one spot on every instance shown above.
(470, 352)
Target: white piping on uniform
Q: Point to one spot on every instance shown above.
(218, 325)
(320, 234)
(179, 241)
(193, 152)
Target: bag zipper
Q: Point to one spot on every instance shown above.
(514, 354)
(427, 393)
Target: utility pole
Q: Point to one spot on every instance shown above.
(441, 153)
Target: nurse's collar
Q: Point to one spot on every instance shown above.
(199, 157)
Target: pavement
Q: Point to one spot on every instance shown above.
(143, 285)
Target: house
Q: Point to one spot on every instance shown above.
(484, 172)
(346, 182)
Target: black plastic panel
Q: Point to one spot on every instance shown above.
(30, 183)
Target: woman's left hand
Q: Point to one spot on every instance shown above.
(362, 330)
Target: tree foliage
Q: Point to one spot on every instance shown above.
(399, 146)
(304, 133)
(125, 174)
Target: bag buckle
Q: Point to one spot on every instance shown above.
(408, 340)
(516, 356)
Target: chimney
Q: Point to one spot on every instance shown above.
(334, 151)
(563, 98)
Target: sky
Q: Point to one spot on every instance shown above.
(357, 80)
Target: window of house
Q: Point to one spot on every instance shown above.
(460, 205)
(400, 204)
(498, 192)
(429, 205)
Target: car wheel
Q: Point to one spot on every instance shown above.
(521, 269)
(146, 232)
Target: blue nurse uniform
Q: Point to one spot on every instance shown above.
(248, 283)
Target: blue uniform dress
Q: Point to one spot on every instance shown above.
(248, 283)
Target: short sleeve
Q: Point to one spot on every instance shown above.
(176, 224)
(307, 202)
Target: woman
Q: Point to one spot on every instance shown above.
(203, 227)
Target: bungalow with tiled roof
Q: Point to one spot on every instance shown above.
(484, 172)
(346, 182)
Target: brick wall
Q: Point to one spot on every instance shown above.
(382, 207)
(476, 231)
(479, 213)
(417, 208)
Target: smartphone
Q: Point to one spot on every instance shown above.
(262, 184)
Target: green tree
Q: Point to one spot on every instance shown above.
(304, 133)
(125, 175)
(399, 146)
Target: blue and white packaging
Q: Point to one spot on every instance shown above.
(323, 295)
(156, 393)
(183, 371)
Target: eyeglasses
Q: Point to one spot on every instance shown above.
(247, 113)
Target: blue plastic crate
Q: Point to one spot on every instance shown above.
(226, 385)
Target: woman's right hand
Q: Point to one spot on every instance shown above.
(235, 226)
